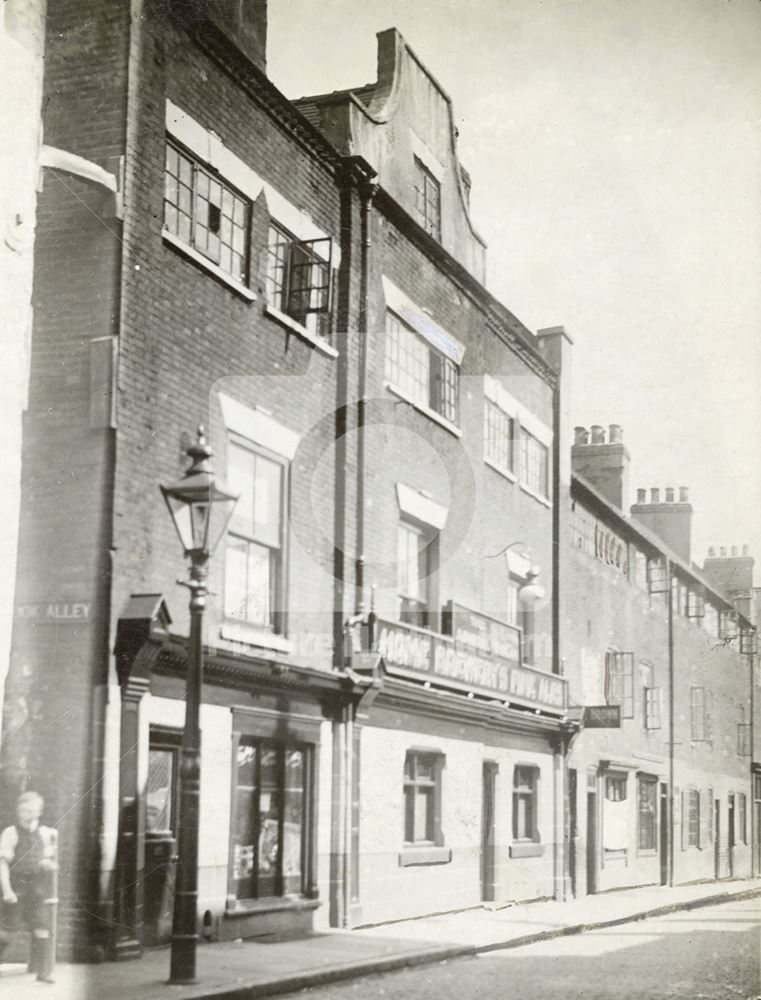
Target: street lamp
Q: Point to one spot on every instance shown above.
(201, 507)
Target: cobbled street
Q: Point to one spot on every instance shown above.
(708, 954)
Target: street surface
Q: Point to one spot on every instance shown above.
(712, 953)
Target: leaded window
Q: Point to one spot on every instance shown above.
(427, 200)
(299, 279)
(205, 213)
(420, 373)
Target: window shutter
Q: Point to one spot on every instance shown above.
(706, 817)
(685, 818)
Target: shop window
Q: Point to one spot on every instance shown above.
(299, 279)
(417, 546)
(701, 715)
(206, 214)
(525, 803)
(269, 819)
(647, 812)
(422, 798)
(253, 586)
(533, 463)
(420, 373)
(427, 199)
(499, 429)
(619, 681)
(162, 782)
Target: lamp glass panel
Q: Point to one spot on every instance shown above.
(199, 515)
(182, 520)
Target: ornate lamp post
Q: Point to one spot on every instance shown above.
(201, 507)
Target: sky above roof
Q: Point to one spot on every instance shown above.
(615, 152)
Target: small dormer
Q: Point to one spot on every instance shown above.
(403, 126)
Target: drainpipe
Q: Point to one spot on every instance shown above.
(367, 191)
(669, 598)
(754, 831)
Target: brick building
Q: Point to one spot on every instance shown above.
(664, 796)
(455, 787)
(208, 250)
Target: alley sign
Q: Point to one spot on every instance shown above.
(55, 611)
(455, 662)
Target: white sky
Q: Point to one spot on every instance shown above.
(615, 150)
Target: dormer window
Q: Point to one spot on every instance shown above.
(427, 199)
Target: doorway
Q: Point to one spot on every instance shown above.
(717, 838)
(663, 837)
(573, 826)
(591, 839)
(488, 852)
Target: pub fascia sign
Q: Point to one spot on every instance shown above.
(482, 656)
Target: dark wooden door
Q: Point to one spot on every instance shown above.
(591, 842)
(717, 838)
(573, 825)
(663, 840)
(488, 859)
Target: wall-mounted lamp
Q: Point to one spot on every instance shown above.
(530, 593)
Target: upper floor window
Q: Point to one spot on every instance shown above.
(254, 555)
(422, 374)
(206, 214)
(299, 279)
(498, 436)
(619, 681)
(701, 715)
(427, 199)
(416, 552)
(533, 463)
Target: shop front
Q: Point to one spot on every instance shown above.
(268, 727)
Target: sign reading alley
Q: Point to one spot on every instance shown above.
(469, 660)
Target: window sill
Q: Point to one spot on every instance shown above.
(501, 470)
(545, 501)
(527, 850)
(425, 410)
(425, 855)
(651, 852)
(248, 907)
(208, 265)
(287, 321)
(252, 636)
(618, 855)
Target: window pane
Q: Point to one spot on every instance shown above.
(268, 477)
(424, 814)
(294, 819)
(159, 790)
(244, 839)
(269, 818)
(236, 559)
(259, 579)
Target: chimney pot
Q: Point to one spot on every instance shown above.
(615, 434)
(581, 435)
(669, 495)
(684, 494)
(655, 494)
(722, 551)
(641, 496)
(598, 434)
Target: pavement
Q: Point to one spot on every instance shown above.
(271, 966)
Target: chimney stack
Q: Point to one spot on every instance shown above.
(732, 575)
(604, 464)
(670, 519)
